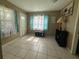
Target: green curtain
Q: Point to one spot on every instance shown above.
(31, 22)
(16, 22)
(45, 24)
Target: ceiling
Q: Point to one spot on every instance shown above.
(40, 5)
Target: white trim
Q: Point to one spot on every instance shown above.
(75, 36)
(69, 50)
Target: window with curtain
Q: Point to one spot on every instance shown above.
(39, 23)
(7, 20)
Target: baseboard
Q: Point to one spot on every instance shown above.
(8, 39)
(69, 50)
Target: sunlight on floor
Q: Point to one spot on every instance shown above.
(30, 39)
(31, 47)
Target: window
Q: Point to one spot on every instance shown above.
(7, 22)
(39, 22)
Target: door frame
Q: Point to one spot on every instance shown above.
(76, 33)
(1, 56)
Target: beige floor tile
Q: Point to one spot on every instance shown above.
(43, 50)
(22, 53)
(14, 57)
(41, 56)
(30, 55)
(52, 52)
(51, 57)
(34, 48)
(31, 47)
(10, 56)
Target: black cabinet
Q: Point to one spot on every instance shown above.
(61, 37)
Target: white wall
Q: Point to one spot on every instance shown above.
(71, 27)
(76, 34)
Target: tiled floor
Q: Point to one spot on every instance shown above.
(31, 47)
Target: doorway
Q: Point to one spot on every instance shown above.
(77, 51)
(0, 49)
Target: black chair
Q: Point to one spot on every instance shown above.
(40, 34)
